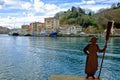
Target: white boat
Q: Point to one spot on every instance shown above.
(43, 33)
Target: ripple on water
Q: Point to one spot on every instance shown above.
(37, 58)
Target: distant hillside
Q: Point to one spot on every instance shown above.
(4, 30)
(109, 14)
(91, 22)
(76, 16)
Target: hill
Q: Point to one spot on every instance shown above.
(4, 30)
(104, 16)
(76, 16)
(91, 22)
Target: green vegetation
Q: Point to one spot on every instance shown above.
(116, 5)
(91, 23)
(113, 13)
(75, 16)
(78, 16)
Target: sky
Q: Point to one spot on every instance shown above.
(14, 13)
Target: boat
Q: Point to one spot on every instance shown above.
(15, 34)
(53, 34)
(43, 33)
(27, 35)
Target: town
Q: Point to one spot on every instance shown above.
(74, 22)
(51, 27)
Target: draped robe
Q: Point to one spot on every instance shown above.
(92, 58)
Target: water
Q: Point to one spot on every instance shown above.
(37, 58)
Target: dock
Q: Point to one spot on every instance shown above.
(67, 77)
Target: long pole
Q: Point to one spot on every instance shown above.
(109, 26)
(102, 62)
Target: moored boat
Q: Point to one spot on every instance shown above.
(53, 34)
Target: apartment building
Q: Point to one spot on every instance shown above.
(35, 28)
(24, 30)
(70, 29)
(51, 24)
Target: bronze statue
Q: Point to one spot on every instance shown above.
(92, 57)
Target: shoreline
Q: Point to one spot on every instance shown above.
(87, 35)
(73, 35)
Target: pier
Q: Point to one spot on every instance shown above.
(67, 77)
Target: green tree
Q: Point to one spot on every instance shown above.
(113, 6)
(72, 21)
(118, 5)
(80, 10)
(77, 16)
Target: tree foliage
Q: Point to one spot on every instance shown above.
(76, 16)
(87, 18)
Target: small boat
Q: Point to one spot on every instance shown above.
(43, 33)
(53, 34)
(15, 34)
(34, 35)
(27, 35)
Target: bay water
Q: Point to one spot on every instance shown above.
(37, 58)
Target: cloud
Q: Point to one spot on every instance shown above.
(26, 6)
(30, 14)
(2, 2)
(50, 7)
(31, 0)
(0, 7)
(107, 1)
(95, 8)
(27, 11)
(38, 6)
(90, 2)
(30, 9)
(11, 2)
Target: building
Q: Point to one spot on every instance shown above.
(35, 28)
(116, 31)
(70, 29)
(51, 24)
(24, 30)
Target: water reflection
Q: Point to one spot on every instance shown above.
(37, 58)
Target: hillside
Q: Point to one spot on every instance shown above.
(76, 16)
(90, 22)
(109, 14)
(4, 30)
